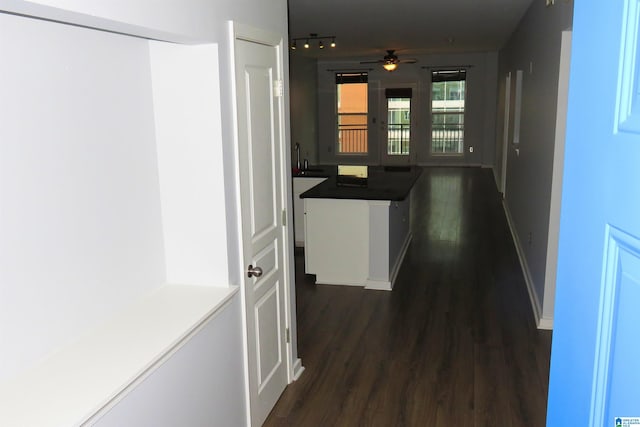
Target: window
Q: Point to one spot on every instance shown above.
(352, 110)
(447, 111)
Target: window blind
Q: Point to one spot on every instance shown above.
(398, 92)
(448, 75)
(342, 78)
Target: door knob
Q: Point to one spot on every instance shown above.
(254, 271)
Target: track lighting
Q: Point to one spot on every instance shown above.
(331, 41)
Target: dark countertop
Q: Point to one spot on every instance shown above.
(383, 183)
(315, 171)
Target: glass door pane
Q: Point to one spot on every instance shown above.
(398, 126)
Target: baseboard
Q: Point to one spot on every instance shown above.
(535, 303)
(379, 285)
(400, 259)
(496, 179)
(451, 165)
(546, 323)
(325, 280)
(298, 369)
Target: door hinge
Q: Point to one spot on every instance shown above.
(278, 88)
(288, 335)
(284, 217)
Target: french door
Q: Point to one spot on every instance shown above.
(397, 125)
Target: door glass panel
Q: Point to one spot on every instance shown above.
(398, 126)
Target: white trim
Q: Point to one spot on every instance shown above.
(257, 35)
(331, 281)
(453, 164)
(517, 108)
(378, 285)
(238, 203)
(548, 301)
(535, 303)
(400, 258)
(298, 369)
(546, 323)
(505, 137)
(69, 17)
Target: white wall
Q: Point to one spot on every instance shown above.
(479, 114)
(82, 224)
(534, 48)
(186, 98)
(193, 21)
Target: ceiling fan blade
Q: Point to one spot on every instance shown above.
(372, 62)
(408, 61)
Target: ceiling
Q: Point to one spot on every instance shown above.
(367, 28)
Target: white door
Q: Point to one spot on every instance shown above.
(595, 355)
(260, 136)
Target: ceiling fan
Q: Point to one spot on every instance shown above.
(390, 61)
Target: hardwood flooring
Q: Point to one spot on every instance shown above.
(454, 343)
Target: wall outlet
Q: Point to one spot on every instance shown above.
(471, 149)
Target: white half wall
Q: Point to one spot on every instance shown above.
(200, 385)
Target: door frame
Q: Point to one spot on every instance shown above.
(386, 159)
(238, 31)
(506, 127)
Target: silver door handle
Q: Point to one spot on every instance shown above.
(254, 271)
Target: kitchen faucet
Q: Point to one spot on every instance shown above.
(297, 148)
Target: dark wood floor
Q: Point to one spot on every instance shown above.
(454, 343)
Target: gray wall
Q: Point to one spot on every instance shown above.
(534, 48)
(480, 114)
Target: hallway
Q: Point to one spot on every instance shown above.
(454, 344)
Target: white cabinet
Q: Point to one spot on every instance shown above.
(300, 185)
(356, 242)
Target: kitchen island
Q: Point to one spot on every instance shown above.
(357, 229)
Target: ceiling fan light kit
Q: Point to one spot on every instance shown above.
(389, 66)
(390, 61)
